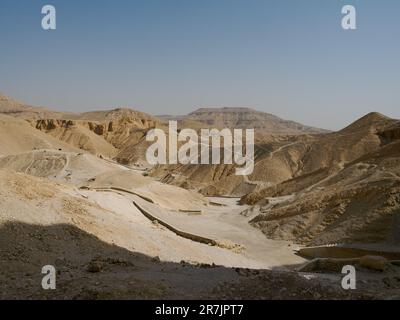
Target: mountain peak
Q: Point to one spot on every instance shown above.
(223, 109)
(247, 118)
(372, 120)
(8, 104)
(374, 116)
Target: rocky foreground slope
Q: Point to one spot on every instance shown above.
(106, 251)
(70, 197)
(331, 179)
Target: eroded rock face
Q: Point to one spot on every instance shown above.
(363, 214)
(100, 129)
(97, 128)
(391, 133)
(242, 118)
(51, 124)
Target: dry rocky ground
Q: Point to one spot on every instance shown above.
(73, 195)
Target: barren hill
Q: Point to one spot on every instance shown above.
(105, 133)
(321, 157)
(87, 136)
(359, 204)
(338, 148)
(105, 224)
(247, 118)
(12, 107)
(82, 169)
(17, 135)
(141, 119)
(108, 133)
(355, 201)
(282, 158)
(18, 109)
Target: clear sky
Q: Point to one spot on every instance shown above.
(287, 57)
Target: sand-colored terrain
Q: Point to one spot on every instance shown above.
(75, 192)
(243, 118)
(281, 158)
(104, 247)
(14, 108)
(355, 202)
(109, 216)
(81, 135)
(18, 136)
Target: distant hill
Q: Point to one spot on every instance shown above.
(246, 118)
(143, 119)
(359, 203)
(339, 186)
(98, 132)
(281, 159)
(17, 136)
(14, 108)
(332, 153)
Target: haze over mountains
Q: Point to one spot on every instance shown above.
(70, 177)
(18, 109)
(244, 118)
(120, 132)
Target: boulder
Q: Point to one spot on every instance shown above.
(377, 263)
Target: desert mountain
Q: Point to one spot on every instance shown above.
(282, 158)
(70, 197)
(12, 107)
(17, 136)
(358, 204)
(330, 153)
(80, 134)
(354, 202)
(120, 133)
(246, 118)
(102, 133)
(310, 169)
(141, 119)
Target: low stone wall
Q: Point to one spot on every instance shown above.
(341, 252)
(178, 232)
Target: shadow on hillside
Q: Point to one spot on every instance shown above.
(88, 268)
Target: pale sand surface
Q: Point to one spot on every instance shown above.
(223, 224)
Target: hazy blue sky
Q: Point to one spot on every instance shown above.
(287, 57)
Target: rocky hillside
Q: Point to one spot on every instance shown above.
(357, 202)
(107, 133)
(245, 118)
(12, 107)
(17, 136)
(314, 160)
(283, 158)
